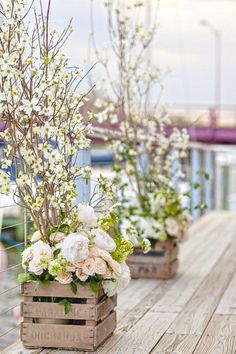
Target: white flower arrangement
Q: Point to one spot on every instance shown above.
(164, 217)
(84, 255)
(45, 129)
(147, 159)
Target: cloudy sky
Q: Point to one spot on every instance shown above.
(182, 44)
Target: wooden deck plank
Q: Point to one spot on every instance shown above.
(137, 290)
(17, 348)
(144, 335)
(227, 305)
(132, 317)
(187, 283)
(202, 305)
(219, 337)
(176, 343)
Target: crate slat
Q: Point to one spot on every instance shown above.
(154, 257)
(104, 329)
(57, 336)
(152, 270)
(52, 310)
(55, 289)
(45, 325)
(104, 308)
(160, 263)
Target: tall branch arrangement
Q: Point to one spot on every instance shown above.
(146, 158)
(41, 105)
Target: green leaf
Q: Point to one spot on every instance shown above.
(94, 286)
(24, 278)
(37, 284)
(73, 287)
(67, 306)
(56, 253)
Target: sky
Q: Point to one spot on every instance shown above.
(181, 44)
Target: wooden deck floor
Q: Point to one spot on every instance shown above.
(193, 313)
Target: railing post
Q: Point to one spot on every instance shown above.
(225, 186)
(82, 186)
(208, 167)
(196, 197)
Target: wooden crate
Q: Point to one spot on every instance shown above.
(160, 263)
(91, 321)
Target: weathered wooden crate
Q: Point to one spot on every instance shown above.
(90, 322)
(160, 263)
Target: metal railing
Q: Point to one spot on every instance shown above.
(10, 265)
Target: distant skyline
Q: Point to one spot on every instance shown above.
(181, 44)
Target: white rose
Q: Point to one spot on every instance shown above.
(27, 255)
(75, 248)
(36, 236)
(64, 278)
(56, 237)
(103, 240)
(173, 228)
(35, 267)
(86, 215)
(41, 250)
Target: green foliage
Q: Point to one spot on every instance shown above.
(26, 277)
(108, 220)
(59, 228)
(94, 285)
(67, 306)
(123, 249)
(74, 288)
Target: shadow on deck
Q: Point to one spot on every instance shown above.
(192, 313)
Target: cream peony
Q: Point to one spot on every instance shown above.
(103, 240)
(56, 237)
(173, 228)
(86, 215)
(35, 267)
(36, 236)
(64, 278)
(75, 248)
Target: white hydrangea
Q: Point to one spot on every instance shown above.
(116, 285)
